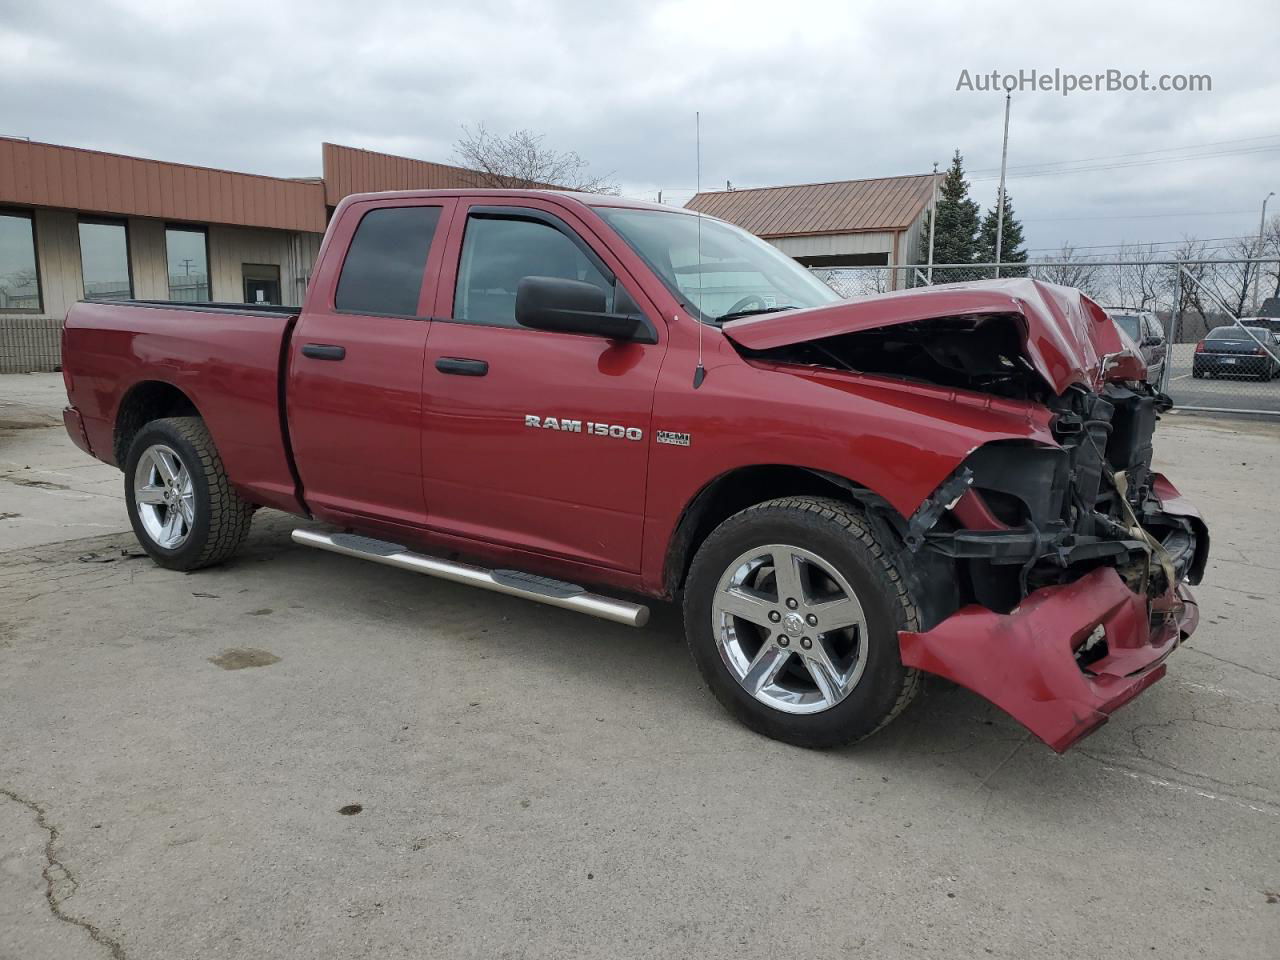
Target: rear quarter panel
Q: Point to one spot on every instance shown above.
(227, 363)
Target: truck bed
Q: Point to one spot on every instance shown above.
(226, 357)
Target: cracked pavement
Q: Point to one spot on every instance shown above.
(175, 752)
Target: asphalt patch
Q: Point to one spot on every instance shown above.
(239, 658)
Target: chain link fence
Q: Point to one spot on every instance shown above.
(1217, 322)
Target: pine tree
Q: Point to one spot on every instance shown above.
(955, 240)
(1011, 249)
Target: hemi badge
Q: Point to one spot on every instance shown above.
(675, 439)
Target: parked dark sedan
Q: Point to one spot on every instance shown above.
(1232, 352)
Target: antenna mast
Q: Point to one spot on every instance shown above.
(700, 373)
(1004, 158)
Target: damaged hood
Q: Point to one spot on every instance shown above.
(1067, 334)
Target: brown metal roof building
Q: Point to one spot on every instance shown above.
(843, 223)
(86, 224)
(80, 223)
(348, 170)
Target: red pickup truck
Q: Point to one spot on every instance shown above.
(529, 390)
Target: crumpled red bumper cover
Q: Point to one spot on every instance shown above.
(1024, 661)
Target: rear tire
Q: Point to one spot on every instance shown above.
(776, 667)
(180, 501)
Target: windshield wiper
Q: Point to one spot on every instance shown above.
(738, 314)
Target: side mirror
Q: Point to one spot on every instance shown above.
(571, 306)
(1152, 341)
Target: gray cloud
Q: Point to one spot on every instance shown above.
(788, 92)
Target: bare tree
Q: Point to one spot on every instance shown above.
(520, 159)
(1141, 284)
(1271, 248)
(881, 281)
(856, 283)
(1066, 269)
(1232, 280)
(1191, 297)
(16, 287)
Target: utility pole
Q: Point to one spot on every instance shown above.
(933, 223)
(1257, 267)
(1004, 158)
(1175, 318)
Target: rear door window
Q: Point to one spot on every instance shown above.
(383, 272)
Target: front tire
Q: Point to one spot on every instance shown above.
(792, 611)
(180, 502)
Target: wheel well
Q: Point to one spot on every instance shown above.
(742, 488)
(147, 401)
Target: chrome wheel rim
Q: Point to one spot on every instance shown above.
(164, 496)
(790, 629)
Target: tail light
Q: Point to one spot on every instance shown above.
(1259, 351)
(1200, 347)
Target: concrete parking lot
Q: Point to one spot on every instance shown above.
(300, 755)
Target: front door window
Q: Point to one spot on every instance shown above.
(498, 252)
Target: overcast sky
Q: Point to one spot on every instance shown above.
(789, 93)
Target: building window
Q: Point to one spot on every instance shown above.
(104, 260)
(19, 279)
(261, 283)
(187, 255)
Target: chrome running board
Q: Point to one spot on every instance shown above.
(556, 593)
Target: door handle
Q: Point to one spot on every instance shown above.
(462, 367)
(323, 351)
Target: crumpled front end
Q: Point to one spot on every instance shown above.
(1071, 563)
(1051, 568)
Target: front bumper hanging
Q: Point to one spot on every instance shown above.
(1025, 662)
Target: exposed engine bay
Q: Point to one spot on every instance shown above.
(1055, 513)
(1017, 515)
(982, 353)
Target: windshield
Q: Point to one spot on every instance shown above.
(1235, 333)
(736, 274)
(1128, 322)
